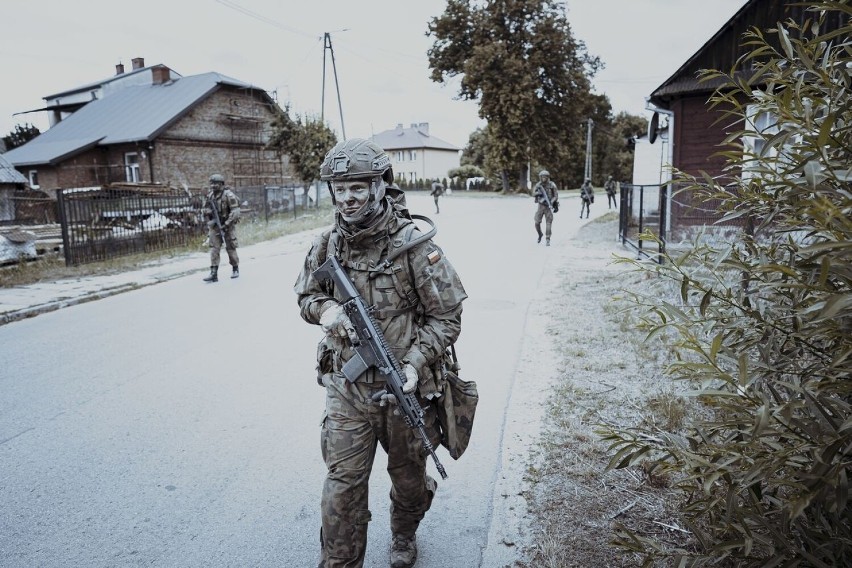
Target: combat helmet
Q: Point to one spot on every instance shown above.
(217, 178)
(358, 158)
(543, 173)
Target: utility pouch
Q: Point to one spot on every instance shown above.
(325, 360)
(456, 411)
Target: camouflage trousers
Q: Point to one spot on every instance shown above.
(216, 246)
(543, 211)
(353, 427)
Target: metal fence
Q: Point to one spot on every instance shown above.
(644, 208)
(26, 207)
(102, 223)
(99, 224)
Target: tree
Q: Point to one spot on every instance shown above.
(519, 59)
(305, 139)
(20, 135)
(762, 323)
(615, 157)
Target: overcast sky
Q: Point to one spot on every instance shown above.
(379, 52)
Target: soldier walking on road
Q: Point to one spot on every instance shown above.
(545, 210)
(609, 186)
(587, 197)
(222, 211)
(437, 191)
(417, 299)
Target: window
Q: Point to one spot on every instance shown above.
(759, 158)
(400, 155)
(131, 166)
(412, 155)
(34, 179)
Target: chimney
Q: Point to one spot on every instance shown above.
(160, 74)
(424, 128)
(138, 62)
(119, 69)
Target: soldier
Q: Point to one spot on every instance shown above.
(437, 191)
(609, 186)
(227, 208)
(587, 197)
(545, 185)
(417, 301)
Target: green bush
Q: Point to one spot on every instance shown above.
(762, 327)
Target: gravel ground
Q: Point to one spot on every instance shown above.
(582, 367)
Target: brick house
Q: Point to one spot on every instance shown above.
(154, 127)
(416, 155)
(696, 131)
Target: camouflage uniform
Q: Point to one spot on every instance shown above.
(420, 316)
(609, 186)
(543, 211)
(229, 214)
(437, 191)
(587, 197)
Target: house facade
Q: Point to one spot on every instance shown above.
(416, 155)
(696, 131)
(158, 128)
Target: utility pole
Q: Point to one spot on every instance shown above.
(327, 47)
(590, 124)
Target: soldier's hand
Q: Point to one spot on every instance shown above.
(335, 322)
(211, 224)
(411, 378)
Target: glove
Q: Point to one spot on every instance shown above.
(211, 224)
(335, 322)
(556, 207)
(411, 378)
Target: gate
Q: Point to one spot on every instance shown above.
(643, 208)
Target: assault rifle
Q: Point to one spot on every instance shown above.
(547, 200)
(372, 351)
(216, 218)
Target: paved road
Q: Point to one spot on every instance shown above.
(178, 424)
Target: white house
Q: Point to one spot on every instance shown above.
(417, 155)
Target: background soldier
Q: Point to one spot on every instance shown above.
(437, 191)
(609, 186)
(587, 197)
(418, 304)
(228, 210)
(544, 184)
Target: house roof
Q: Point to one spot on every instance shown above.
(404, 138)
(102, 82)
(725, 47)
(8, 173)
(132, 114)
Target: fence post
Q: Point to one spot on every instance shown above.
(641, 220)
(664, 213)
(63, 223)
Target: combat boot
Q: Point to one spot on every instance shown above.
(214, 274)
(548, 242)
(235, 272)
(403, 552)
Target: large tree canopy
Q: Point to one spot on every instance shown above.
(520, 60)
(306, 140)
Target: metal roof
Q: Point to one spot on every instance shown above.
(404, 138)
(131, 114)
(8, 174)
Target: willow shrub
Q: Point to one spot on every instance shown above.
(762, 327)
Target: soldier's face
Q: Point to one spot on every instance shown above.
(351, 197)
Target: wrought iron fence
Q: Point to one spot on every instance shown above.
(98, 224)
(643, 208)
(103, 223)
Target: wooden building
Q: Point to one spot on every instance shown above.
(696, 131)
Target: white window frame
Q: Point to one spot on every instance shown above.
(412, 155)
(131, 167)
(33, 177)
